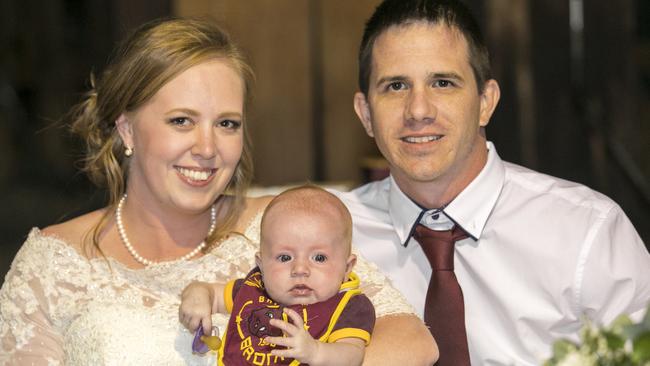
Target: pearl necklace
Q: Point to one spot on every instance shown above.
(145, 261)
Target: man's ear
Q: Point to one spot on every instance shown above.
(352, 260)
(489, 100)
(363, 112)
(125, 129)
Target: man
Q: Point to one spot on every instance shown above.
(540, 255)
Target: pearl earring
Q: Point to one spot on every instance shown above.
(128, 151)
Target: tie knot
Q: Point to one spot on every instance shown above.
(438, 246)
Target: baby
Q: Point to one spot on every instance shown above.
(302, 301)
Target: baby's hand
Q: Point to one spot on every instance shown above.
(196, 306)
(300, 344)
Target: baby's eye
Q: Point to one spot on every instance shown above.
(320, 258)
(284, 257)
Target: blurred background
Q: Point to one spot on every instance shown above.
(574, 76)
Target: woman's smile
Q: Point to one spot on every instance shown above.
(196, 176)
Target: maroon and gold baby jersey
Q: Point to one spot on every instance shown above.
(347, 314)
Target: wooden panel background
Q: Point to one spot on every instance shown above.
(279, 53)
(304, 56)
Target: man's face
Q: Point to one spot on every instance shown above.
(423, 106)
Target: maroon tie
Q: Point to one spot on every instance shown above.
(444, 310)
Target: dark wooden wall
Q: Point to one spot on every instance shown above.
(47, 51)
(304, 55)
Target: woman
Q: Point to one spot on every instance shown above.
(166, 133)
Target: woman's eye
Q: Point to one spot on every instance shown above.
(180, 121)
(320, 258)
(284, 257)
(230, 124)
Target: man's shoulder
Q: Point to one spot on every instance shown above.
(537, 185)
(370, 197)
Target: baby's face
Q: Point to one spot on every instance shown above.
(304, 258)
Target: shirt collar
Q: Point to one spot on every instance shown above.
(404, 213)
(470, 209)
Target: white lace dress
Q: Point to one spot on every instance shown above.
(59, 308)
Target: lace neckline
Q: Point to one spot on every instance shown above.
(70, 250)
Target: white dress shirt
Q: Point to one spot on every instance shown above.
(544, 253)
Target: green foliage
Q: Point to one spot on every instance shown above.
(621, 344)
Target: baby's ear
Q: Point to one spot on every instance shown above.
(352, 260)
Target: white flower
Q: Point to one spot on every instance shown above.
(577, 359)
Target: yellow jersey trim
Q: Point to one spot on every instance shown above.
(227, 296)
(350, 287)
(351, 283)
(349, 333)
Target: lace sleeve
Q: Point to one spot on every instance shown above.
(27, 336)
(375, 285)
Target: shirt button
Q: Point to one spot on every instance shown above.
(435, 216)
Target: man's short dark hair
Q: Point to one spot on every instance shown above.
(450, 12)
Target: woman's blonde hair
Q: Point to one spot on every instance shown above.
(146, 60)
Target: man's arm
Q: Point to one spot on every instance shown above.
(615, 271)
(401, 340)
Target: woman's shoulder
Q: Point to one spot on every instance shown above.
(253, 209)
(257, 204)
(249, 218)
(55, 252)
(74, 231)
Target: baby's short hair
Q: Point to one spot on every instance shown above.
(313, 200)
